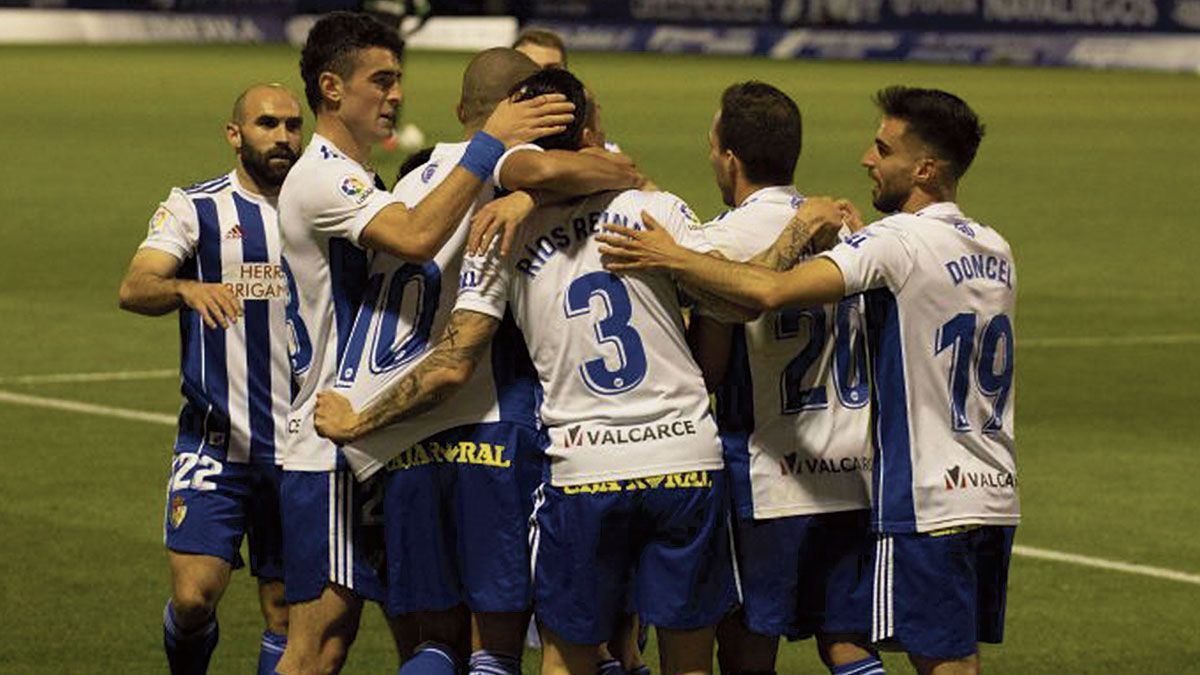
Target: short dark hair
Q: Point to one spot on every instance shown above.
(414, 162)
(761, 125)
(557, 81)
(542, 38)
(940, 119)
(333, 45)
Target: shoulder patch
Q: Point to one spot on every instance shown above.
(159, 219)
(355, 189)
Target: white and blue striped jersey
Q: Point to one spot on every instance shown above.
(236, 380)
(622, 396)
(940, 290)
(793, 407)
(324, 204)
(406, 304)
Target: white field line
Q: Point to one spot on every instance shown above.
(69, 378)
(1112, 341)
(1111, 565)
(87, 408)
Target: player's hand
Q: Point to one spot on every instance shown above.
(334, 418)
(851, 218)
(819, 220)
(625, 249)
(499, 217)
(215, 303)
(516, 122)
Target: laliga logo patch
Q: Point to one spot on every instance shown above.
(178, 511)
(159, 219)
(354, 188)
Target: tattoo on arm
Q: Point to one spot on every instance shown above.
(789, 247)
(445, 368)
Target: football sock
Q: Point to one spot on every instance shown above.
(609, 667)
(868, 666)
(431, 658)
(640, 670)
(188, 653)
(484, 662)
(270, 651)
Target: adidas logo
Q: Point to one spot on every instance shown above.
(235, 233)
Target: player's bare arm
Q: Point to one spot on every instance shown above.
(443, 371)
(418, 233)
(813, 229)
(150, 288)
(815, 282)
(548, 177)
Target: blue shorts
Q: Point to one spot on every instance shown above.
(457, 506)
(939, 595)
(333, 534)
(803, 575)
(212, 504)
(661, 539)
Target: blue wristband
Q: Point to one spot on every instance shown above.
(482, 154)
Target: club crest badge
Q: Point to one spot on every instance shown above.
(178, 511)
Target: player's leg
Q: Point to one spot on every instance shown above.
(190, 630)
(743, 651)
(839, 553)
(582, 547)
(331, 555)
(625, 648)
(684, 583)
(423, 585)
(493, 498)
(946, 594)
(205, 522)
(265, 544)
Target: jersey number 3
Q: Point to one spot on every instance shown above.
(612, 329)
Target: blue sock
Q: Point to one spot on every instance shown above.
(609, 667)
(431, 658)
(868, 666)
(270, 650)
(484, 662)
(188, 653)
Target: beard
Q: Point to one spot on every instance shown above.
(259, 166)
(889, 201)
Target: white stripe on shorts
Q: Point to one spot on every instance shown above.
(882, 623)
(737, 573)
(348, 522)
(535, 536)
(332, 529)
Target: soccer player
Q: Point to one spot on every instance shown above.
(213, 252)
(939, 290)
(331, 213)
(545, 47)
(792, 408)
(456, 517)
(635, 497)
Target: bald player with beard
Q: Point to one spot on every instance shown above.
(458, 480)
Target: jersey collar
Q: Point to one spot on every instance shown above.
(773, 193)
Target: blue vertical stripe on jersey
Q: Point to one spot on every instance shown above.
(735, 422)
(258, 338)
(892, 479)
(347, 280)
(216, 379)
(515, 377)
(191, 382)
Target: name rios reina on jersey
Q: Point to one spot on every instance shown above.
(563, 237)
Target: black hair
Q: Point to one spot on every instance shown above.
(557, 81)
(761, 126)
(333, 45)
(940, 119)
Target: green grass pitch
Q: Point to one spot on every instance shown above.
(1091, 175)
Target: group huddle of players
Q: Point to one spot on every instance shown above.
(475, 397)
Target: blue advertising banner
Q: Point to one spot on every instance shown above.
(1169, 16)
